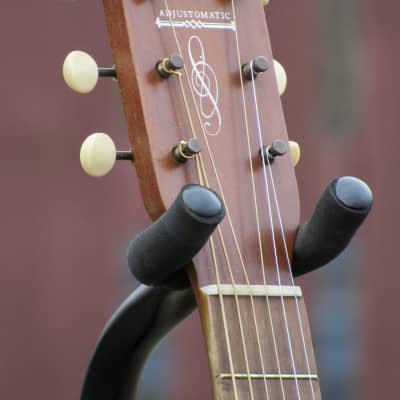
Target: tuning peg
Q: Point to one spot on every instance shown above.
(276, 149)
(281, 77)
(254, 67)
(81, 72)
(98, 154)
(265, 2)
(295, 152)
(170, 65)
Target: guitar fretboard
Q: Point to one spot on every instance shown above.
(259, 342)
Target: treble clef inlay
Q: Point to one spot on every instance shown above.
(205, 85)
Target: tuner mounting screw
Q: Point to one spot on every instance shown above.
(170, 65)
(268, 153)
(186, 150)
(254, 67)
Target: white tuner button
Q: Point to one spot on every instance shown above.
(80, 72)
(265, 2)
(295, 152)
(98, 154)
(281, 77)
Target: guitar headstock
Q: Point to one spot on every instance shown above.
(201, 94)
(201, 75)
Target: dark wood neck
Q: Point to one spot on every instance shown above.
(259, 345)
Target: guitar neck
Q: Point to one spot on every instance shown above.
(258, 342)
(208, 54)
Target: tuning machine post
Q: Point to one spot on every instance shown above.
(256, 66)
(259, 65)
(186, 150)
(170, 65)
(279, 148)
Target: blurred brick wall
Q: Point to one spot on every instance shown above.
(379, 125)
(64, 235)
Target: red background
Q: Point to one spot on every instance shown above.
(63, 236)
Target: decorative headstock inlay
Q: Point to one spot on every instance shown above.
(195, 19)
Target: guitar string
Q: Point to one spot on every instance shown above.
(203, 177)
(223, 245)
(220, 235)
(276, 259)
(241, 259)
(226, 253)
(220, 295)
(212, 243)
(264, 274)
(287, 256)
(271, 224)
(282, 235)
(236, 297)
(227, 257)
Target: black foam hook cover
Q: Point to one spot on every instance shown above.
(340, 211)
(170, 243)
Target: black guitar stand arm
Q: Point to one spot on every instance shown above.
(157, 258)
(131, 334)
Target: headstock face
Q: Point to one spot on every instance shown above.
(209, 101)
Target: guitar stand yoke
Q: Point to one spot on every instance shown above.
(158, 256)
